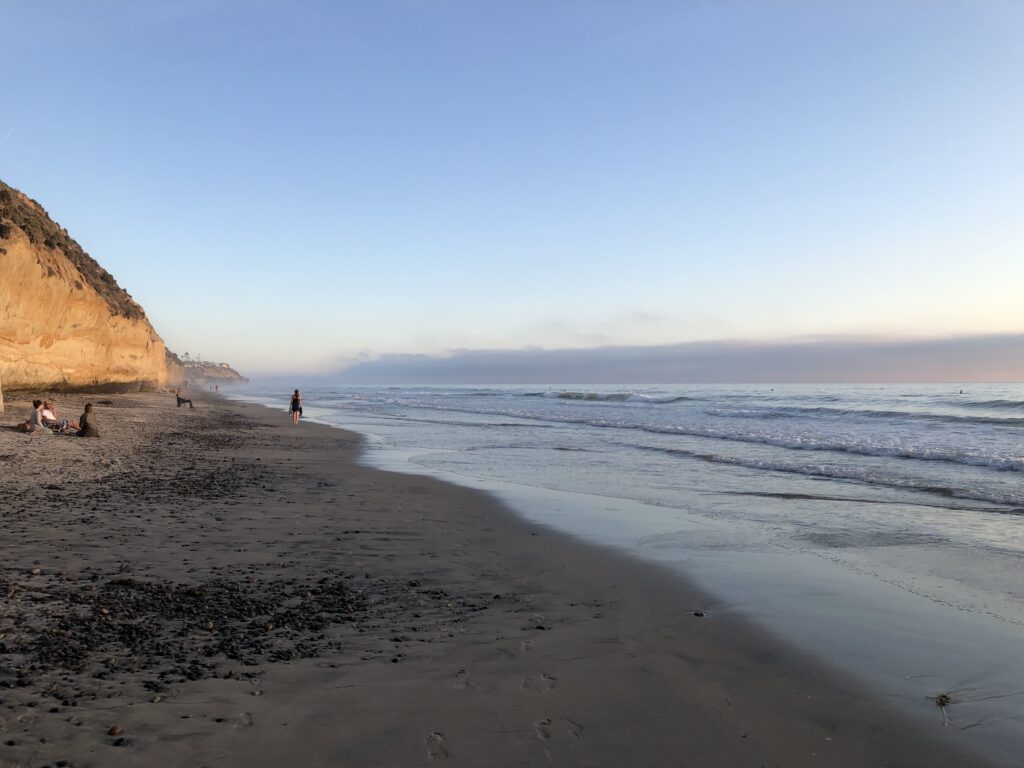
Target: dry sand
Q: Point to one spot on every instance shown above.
(214, 587)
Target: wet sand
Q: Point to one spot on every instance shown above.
(216, 587)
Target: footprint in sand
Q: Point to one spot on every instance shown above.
(575, 729)
(543, 728)
(526, 645)
(462, 679)
(541, 684)
(435, 746)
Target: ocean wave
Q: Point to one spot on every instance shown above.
(1014, 404)
(860, 475)
(945, 452)
(982, 440)
(613, 397)
(816, 443)
(783, 412)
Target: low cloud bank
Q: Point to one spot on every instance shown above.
(954, 359)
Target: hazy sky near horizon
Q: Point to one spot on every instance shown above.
(290, 185)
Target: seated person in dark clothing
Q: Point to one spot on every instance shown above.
(183, 400)
(88, 423)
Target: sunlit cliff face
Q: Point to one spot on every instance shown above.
(65, 322)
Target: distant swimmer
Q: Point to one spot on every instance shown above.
(296, 407)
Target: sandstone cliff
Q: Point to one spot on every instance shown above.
(64, 321)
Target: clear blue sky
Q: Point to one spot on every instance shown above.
(285, 185)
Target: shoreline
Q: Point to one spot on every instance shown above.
(471, 635)
(905, 610)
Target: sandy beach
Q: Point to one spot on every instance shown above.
(214, 587)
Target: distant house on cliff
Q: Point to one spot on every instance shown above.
(203, 372)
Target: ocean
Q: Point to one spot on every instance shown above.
(880, 527)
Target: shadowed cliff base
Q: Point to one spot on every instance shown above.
(110, 388)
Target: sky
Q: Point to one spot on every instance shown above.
(305, 185)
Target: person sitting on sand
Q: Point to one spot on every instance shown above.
(88, 423)
(296, 407)
(182, 400)
(35, 421)
(52, 420)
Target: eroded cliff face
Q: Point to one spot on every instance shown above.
(64, 321)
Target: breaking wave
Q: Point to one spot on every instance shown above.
(613, 397)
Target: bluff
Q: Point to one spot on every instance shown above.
(65, 323)
(203, 373)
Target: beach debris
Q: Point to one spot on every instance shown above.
(115, 730)
(125, 624)
(942, 701)
(114, 626)
(699, 614)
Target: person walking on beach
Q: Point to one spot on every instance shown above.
(296, 407)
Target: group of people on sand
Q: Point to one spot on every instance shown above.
(45, 420)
